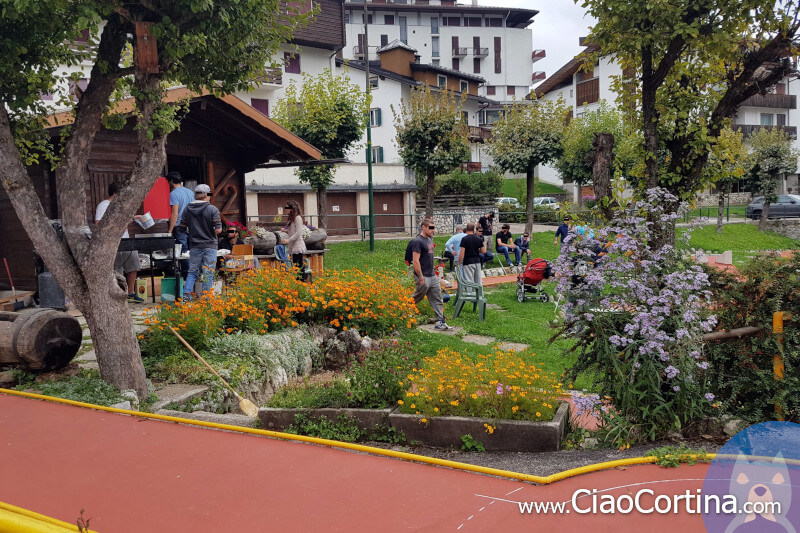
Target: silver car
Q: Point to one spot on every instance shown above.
(788, 205)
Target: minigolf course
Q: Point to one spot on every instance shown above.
(134, 473)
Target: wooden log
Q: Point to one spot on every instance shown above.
(39, 340)
(737, 333)
(262, 246)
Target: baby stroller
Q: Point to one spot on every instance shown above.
(528, 280)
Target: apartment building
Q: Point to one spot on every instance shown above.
(583, 89)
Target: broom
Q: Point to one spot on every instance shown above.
(245, 405)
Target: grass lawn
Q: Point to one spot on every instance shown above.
(516, 188)
(736, 211)
(741, 239)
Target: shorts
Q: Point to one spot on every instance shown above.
(127, 261)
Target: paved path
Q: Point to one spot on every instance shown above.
(132, 474)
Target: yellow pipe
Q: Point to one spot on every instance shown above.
(542, 480)
(19, 520)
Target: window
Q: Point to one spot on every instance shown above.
(388, 20)
(75, 91)
(435, 62)
(441, 81)
(456, 63)
(291, 63)
(476, 65)
(511, 90)
(375, 117)
(384, 40)
(260, 104)
(494, 22)
(451, 21)
(766, 119)
(498, 62)
(465, 117)
(491, 90)
(781, 119)
(780, 88)
(373, 82)
(464, 87)
(347, 18)
(472, 21)
(83, 36)
(377, 154)
(434, 47)
(435, 26)
(404, 30)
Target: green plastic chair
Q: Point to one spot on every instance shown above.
(468, 291)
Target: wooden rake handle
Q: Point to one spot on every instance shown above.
(202, 360)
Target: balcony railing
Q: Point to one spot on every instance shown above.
(479, 134)
(747, 129)
(271, 76)
(536, 55)
(778, 101)
(459, 51)
(358, 51)
(480, 52)
(587, 92)
(539, 75)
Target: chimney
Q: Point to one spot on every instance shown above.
(582, 41)
(475, 3)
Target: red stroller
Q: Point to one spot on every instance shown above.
(529, 279)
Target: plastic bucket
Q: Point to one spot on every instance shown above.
(146, 221)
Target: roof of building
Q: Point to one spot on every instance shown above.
(397, 43)
(566, 72)
(515, 17)
(444, 70)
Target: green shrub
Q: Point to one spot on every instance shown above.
(476, 187)
(312, 396)
(342, 428)
(85, 387)
(375, 376)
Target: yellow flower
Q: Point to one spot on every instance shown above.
(424, 420)
(413, 406)
(400, 402)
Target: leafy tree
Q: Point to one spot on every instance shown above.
(329, 112)
(432, 136)
(672, 53)
(527, 135)
(577, 157)
(728, 162)
(773, 158)
(217, 45)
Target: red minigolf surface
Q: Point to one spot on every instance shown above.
(133, 474)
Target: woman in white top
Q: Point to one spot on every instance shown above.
(295, 245)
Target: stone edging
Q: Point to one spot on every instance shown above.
(443, 431)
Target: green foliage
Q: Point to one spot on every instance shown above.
(741, 370)
(575, 163)
(471, 445)
(84, 387)
(527, 135)
(474, 187)
(728, 160)
(329, 112)
(773, 157)
(673, 456)
(342, 428)
(24, 379)
(312, 395)
(386, 433)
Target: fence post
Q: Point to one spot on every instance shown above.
(777, 359)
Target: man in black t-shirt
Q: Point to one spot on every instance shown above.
(486, 223)
(427, 282)
(505, 241)
(470, 256)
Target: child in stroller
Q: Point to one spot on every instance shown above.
(529, 279)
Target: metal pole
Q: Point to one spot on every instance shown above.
(369, 136)
(778, 367)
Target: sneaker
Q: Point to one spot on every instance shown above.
(134, 298)
(442, 326)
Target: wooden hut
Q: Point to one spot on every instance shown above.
(220, 140)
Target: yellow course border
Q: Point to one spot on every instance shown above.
(19, 520)
(529, 478)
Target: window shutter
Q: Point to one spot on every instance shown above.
(380, 154)
(378, 120)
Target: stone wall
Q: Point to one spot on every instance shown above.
(787, 228)
(446, 219)
(737, 198)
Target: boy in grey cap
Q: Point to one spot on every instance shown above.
(204, 223)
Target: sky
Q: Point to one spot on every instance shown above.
(555, 29)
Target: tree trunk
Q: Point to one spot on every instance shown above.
(322, 207)
(430, 190)
(601, 173)
(762, 222)
(720, 209)
(580, 196)
(530, 184)
(649, 119)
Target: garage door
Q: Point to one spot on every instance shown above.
(389, 211)
(269, 205)
(342, 219)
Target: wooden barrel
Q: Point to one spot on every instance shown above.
(39, 340)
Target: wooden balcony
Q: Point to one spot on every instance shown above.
(480, 52)
(271, 76)
(479, 134)
(747, 129)
(776, 101)
(587, 92)
(460, 51)
(536, 55)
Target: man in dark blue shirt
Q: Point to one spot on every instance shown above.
(562, 231)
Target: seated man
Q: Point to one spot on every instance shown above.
(505, 241)
(453, 245)
(524, 245)
(487, 256)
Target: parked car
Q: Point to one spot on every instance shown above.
(547, 202)
(788, 205)
(507, 200)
